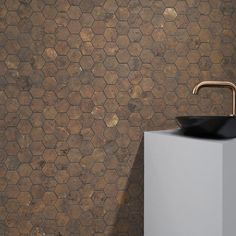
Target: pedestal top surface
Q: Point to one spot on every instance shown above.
(177, 134)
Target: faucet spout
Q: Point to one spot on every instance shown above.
(218, 84)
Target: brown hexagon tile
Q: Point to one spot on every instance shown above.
(99, 70)
(111, 120)
(24, 198)
(11, 133)
(111, 105)
(24, 184)
(204, 22)
(49, 112)
(86, 62)
(98, 169)
(170, 14)
(216, 15)
(205, 63)
(62, 219)
(50, 54)
(25, 227)
(62, 5)
(86, 6)
(147, 84)
(12, 148)
(37, 148)
(99, 41)
(181, 7)
(74, 26)
(61, 106)
(110, 63)
(24, 170)
(111, 48)
(12, 177)
(86, 20)
(86, 34)
(193, 28)
(12, 206)
(216, 56)
(62, 176)
(37, 191)
(62, 47)
(170, 28)
(49, 12)
(109, 219)
(122, 56)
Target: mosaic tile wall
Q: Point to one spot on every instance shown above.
(80, 82)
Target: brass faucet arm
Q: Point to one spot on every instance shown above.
(218, 84)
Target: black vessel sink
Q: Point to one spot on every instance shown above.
(221, 127)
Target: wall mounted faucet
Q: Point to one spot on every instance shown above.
(218, 84)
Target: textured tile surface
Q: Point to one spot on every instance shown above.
(80, 82)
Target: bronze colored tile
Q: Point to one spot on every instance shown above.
(216, 56)
(204, 22)
(86, 20)
(86, 91)
(122, 13)
(49, 12)
(74, 26)
(123, 56)
(12, 177)
(74, 126)
(86, 6)
(62, 176)
(111, 120)
(170, 14)
(62, 105)
(86, 62)
(147, 84)
(170, 28)
(135, 49)
(24, 170)
(87, 48)
(98, 27)
(49, 112)
(122, 41)
(98, 98)
(110, 6)
(181, 7)
(74, 112)
(37, 191)
(50, 54)
(62, 5)
(86, 34)
(37, 148)
(135, 35)
(62, 219)
(24, 184)
(111, 105)
(12, 148)
(193, 28)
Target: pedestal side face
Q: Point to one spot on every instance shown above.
(229, 188)
(183, 186)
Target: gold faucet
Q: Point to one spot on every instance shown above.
(218, 84)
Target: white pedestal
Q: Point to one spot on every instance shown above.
(189, 186)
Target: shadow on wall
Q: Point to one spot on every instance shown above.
(129, 219)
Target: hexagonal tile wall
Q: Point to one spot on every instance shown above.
(80, 81)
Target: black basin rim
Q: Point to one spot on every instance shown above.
(223, 127)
